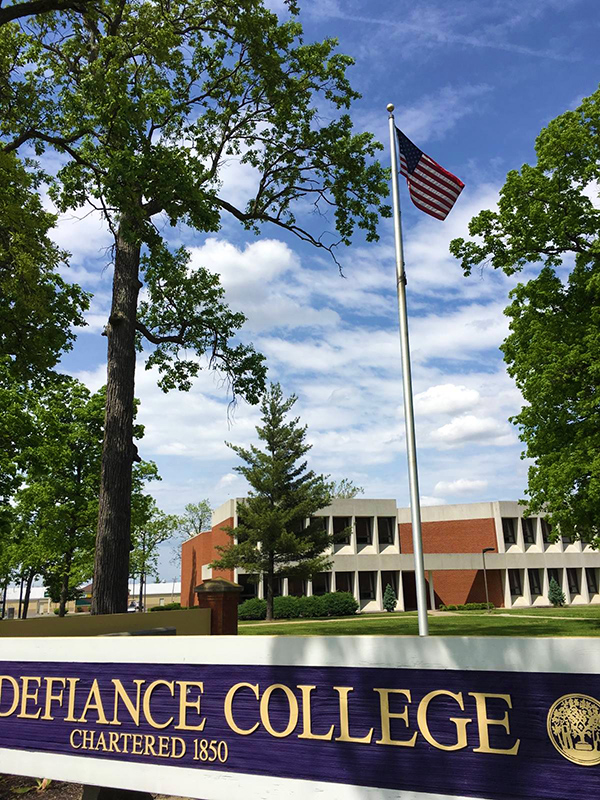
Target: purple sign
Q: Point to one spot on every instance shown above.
(497, 735)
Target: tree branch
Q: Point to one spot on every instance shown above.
(178, 338)
(20, 10)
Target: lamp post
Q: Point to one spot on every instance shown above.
(487, 599)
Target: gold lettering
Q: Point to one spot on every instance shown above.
(126, 737)
(71, 704)
(113, 742)
(176, 740)
(26, 695)
(149, 745)
(94, 702)
(228, 708)
(72, 739)
(137, 749)
(88, 740)
(15, 688)
(120, 693)
(460, 722)
(58, 698)
(306, 720)
(483, 723)
(344, 736)
(163, 746)
(184, 704)
(148, 697)
(101, 742)
(386, 715)
(293, 713)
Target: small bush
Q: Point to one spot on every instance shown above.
(166, 607)
(312, 607)
(389, 598)
(286, 607)
(253, 609)
(556, 594)
(467, 607)
(340, 604)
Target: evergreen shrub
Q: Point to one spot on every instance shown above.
(312, 607)
(467, 607)
(253, 609)
(389, 598)
(340, 604)
(286, 607)
(556, 594)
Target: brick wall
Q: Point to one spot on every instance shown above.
(467, 586)
(197, 552)
(451, 536)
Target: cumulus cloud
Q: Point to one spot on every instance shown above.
(469, 428)
(446, 398)
(460, 486)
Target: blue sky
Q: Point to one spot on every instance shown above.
(473, 82)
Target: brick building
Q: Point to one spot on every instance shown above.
(378, 551)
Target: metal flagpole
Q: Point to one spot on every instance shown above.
(409, 421)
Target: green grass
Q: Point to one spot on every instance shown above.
(462, 624)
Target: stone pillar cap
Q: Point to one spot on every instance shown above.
(218, 586)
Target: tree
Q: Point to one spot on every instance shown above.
(151, 528)
(345, 489)
(555, 593)
(197, 518)
(38, 308)
(547, 214)
(146, 131)
(389, 598)
(271, 538)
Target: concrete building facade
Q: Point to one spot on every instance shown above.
(375, 548)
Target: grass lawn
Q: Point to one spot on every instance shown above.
(460, 624)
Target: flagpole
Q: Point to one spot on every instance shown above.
(409, 420)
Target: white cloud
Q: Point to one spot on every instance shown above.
(460, 486)
(446, 398)
(469, 428)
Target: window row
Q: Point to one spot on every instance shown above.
(509, 530)
(364, 527)
(536, 575)
(322, 583)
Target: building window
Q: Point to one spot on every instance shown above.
(276, 587)
(514, 580)
(528, 530)
(546, 531)
(535, 586)
(554, 573)
(344, 582)
(509, 529)
(364, 530)
(385, 530)
(366, 585)
(321, 523)
(592, 580)
(389, 578)
(249, 584)
(320, 583)
(296, 587)
(573, 580)
(341, 530)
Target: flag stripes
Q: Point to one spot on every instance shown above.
(432, 188)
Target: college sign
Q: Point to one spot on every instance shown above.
(201, 716)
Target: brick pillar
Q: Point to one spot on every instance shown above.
(222, 597)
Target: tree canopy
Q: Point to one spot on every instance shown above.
(549, 214)
(272, 538)
(146, 102)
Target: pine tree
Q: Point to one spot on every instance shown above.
(272, 538)
(556, 594)
(389, 598)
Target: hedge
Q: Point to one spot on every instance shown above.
(333, 604)
(166, 607)
(467, 607)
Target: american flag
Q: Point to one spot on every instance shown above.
(432, 188)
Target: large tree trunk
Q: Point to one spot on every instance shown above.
(111, 566)
(30, 578)
(64, 589)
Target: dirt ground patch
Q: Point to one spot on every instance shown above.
(12, 788)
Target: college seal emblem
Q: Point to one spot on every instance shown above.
(574, 728)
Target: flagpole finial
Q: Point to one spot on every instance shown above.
(390, 107)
